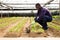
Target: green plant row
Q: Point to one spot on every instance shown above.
(36, 27)
(7, 21)
(19, 25)
(55, 26)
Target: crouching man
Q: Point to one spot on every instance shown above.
(43, 16)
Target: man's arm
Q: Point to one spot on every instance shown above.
(40, 15)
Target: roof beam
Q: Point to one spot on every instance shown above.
(5, 5)
(48, 3)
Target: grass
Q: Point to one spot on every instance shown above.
(18, 27)
(34, 28)
(55, 26)
(56, 20)
(7, 21)
(39, 29)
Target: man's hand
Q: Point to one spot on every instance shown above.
(36, 19)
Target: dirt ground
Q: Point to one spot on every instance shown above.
(51, 32)
(5, 30)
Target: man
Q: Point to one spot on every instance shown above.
(43, 16)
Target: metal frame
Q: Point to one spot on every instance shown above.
(28, 9)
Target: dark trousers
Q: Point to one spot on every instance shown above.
(43, 22)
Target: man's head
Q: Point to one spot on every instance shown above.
(38, 6)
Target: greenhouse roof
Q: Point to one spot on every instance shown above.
(16, 4)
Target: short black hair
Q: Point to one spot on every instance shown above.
(38, 4)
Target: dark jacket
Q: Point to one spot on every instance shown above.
(43, 12)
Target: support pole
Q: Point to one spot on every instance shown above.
(59, 7)
(1, 14)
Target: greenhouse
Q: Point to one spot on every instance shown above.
(17, 18)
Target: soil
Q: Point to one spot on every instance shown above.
(5, 30)
(22, 33)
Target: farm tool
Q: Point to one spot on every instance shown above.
(28, 30)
